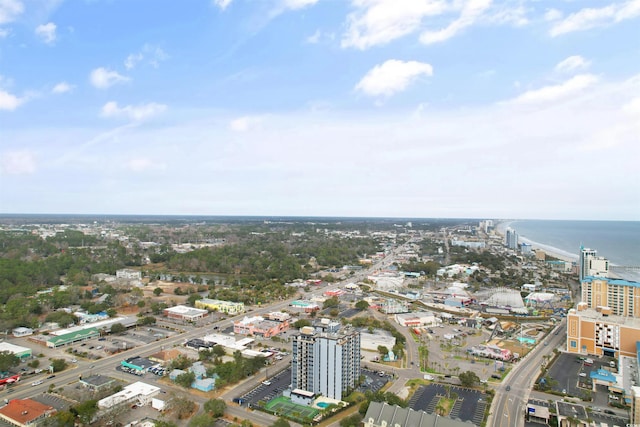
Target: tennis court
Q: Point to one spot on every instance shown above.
(283, 406)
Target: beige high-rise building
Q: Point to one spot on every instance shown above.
(621, 296)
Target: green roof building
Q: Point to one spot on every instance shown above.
(71, 337)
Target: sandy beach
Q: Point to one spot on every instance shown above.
(500, 228)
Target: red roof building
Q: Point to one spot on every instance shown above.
(25, 412)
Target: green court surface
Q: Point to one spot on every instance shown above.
(283, 406)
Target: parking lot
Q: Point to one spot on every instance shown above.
(469, 405)
(268, 389)
(571, 376)
(373, 380)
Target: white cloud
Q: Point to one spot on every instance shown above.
(377, 22)
(588, 18)
(222, 4)
(632, 107)
(102, 78)
(552, 15)
(47, 32)
(20, 162)
(298, 4)
(144, 164)
(243, 124)
(392, 76)
(471, 12)
(315, 37)
(153, 55)
(3, 33)
(132, 60)
(557, 92)
(10, 10)
(135, 113)
(62, 87)
(8, 101)
(572, 63)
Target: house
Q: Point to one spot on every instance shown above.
(165, 356)
(25, 412)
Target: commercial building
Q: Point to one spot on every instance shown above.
(97, 382)
(221, 306)
(16, 350)
(590, 264)
(138, 393)
(378, 338)
(600, 332)
(419, 318)
(128, 274)
(182, 312)
(25, 412)
(71, 337)
(259, 326)
(326, 364)
(621, 296)
(306, 306)
(381, 414)
(22, 332)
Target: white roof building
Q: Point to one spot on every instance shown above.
(139, 392)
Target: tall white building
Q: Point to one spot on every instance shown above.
(325, 363)
(591, 265)
(511, 239)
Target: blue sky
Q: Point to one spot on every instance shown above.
(403, 108)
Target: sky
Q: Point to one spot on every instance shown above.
(375, 108)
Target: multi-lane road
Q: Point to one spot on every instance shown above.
(509, 403)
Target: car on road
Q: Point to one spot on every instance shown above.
(51, 376)
(508, 388)
(609, 411)
(266, 382)
(35, 383)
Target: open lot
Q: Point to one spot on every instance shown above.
(469, 405)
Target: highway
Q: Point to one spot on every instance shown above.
(508, 406)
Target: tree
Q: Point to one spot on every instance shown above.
(191, 300)
(8, 360)
(468, 379)
(58, 365)
(147, 320)
(201, 420)
(163, 423)
(300, 323)
(215, 407)
(117, 328)
(185, 380)
(281, 422)
(157, 292)
(362, 305)
(330, 303)
(352, 421)
(383, 350)
(181, 406)
(85, 410)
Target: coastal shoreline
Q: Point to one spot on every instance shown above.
(502, 225)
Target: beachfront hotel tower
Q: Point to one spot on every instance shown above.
(591, 264)
(325, 363)
(621, 297)
(511, 239)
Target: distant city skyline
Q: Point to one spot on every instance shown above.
(376, 108)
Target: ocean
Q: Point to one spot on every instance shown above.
(618, 241)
